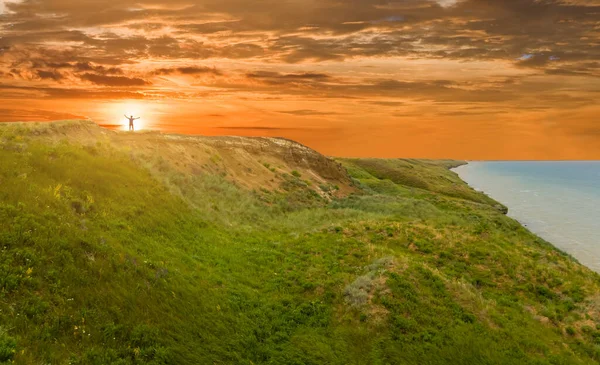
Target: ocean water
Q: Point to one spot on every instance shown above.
(558, 201)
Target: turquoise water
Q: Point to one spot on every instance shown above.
(559, 201)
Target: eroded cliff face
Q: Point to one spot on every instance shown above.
(249, 162)
(292, 153)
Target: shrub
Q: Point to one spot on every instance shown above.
(8, 346)
(544, 292)
(382, 263)
(296, 173)
(357, 293)
(587, 329)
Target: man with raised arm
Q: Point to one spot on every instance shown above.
(131, 119)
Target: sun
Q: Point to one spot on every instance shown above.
(119, 111)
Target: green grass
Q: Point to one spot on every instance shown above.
(427, 175)
(108, 257)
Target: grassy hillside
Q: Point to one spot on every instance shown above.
(421, 174)
(115, 252)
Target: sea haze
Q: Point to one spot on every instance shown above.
(559, 201)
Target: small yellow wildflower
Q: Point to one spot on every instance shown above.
(57, 191)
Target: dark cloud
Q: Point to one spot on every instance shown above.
(306, 112)
(287, 76)
(116, 81)
(99, 69)
(57, 93)
(575, 69)
(50, 75)
(386, 103)
(301, 31)
(462, 113)
(278, 78)
(188, 70)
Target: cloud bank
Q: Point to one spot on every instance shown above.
(523, 72)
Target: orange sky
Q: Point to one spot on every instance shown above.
(470, 79)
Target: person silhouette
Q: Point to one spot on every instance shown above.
(131, 119)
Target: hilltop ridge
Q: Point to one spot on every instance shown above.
(242, 159)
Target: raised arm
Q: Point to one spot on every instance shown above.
(126, 116)
(137, 118)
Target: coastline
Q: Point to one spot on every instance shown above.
(547, 215)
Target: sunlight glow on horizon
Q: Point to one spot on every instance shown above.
(119, 110)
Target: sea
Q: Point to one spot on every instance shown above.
(557, 200)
